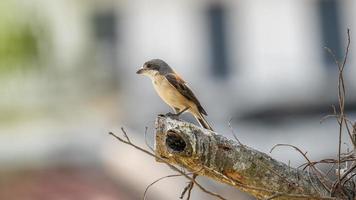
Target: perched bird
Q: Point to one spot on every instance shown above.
(173, 90)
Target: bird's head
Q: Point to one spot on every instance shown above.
(155, 67)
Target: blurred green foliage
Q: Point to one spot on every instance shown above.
(18, 43)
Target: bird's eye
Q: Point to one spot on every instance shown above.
(148, 65)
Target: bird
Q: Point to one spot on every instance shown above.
(173, 90)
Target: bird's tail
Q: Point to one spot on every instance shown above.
(202, 121)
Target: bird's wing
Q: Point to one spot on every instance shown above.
(183, 88)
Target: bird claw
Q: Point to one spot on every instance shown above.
(172, 115)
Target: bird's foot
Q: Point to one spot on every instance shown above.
(172, 115)
(176, 115)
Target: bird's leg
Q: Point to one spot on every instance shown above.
(182, 111)
(169, 114)
(178, 112)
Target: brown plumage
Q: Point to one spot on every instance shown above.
(181, 86)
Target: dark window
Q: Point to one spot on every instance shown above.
(330, 29)
(216, 15)
(105, 25)
(106, 41)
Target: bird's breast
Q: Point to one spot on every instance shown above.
(169, 93)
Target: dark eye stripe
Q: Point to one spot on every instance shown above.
(152, 66)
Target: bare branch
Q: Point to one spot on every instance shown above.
(188, 188)
(227, 161)
(156, 181)
(147, 144)
(233, 132)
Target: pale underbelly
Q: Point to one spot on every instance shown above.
(171, 96)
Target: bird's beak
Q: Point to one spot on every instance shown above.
(140, 71)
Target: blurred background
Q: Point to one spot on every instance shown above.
(67, 77)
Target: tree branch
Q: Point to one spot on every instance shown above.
(224, 160)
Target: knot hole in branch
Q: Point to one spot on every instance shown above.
(175, 141)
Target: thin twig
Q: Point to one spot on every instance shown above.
(188, 188)
(146, 141)
(342, 94)
(125, 134)
(294, 147)
(341, 116)
(233, 133)
(156, 181)
(319, 174)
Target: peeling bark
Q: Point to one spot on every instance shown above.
(209, 154)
